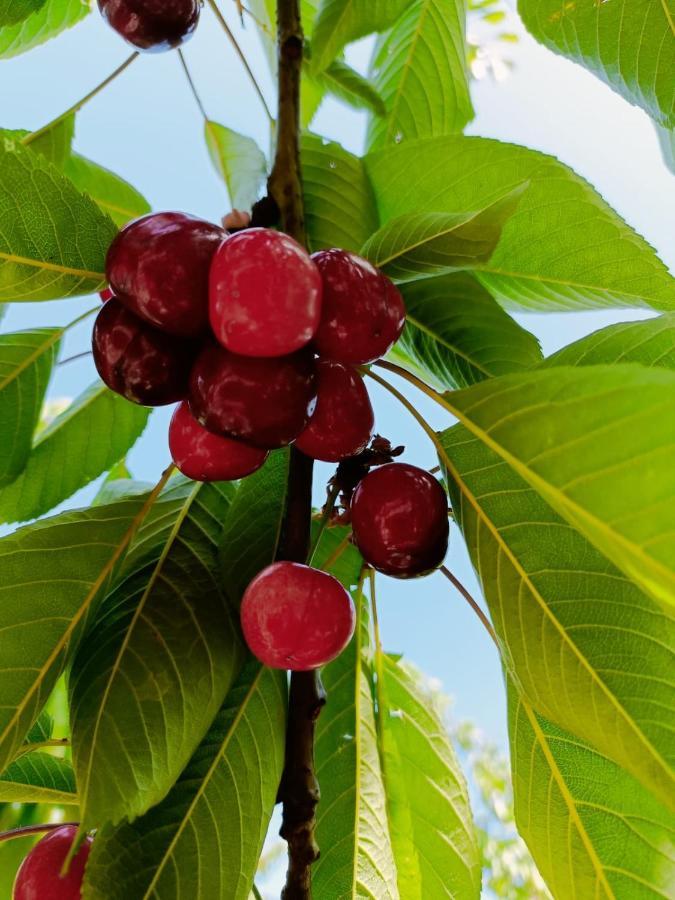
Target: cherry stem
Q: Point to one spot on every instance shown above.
(193, 89)
(240, 53)
(28, 830)
(333, 494)
(241, 9)
(76, 356)
(379, 669)
(34, 135)
(472, 603)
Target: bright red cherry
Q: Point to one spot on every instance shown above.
(137, 361)
(106, 295)
(39, 876)
(343, 420)
(152, 25)
(158, 267)
(362, 314)
(400, 520)
(295, 617)
(203, 456)
(266, 402)
(265, 296)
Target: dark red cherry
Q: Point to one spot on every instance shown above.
(39, 875)
(137, 361)
(362, 312)
(295, 617)
(106, 295)
(400, 520)
(265, 295)
(152, 25)
(266, 402)
(342, 423)
(203, 456)
(158, 267)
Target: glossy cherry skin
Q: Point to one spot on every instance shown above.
(265, 402)
(152, 25)
(158, 267)
(265, 294)
(400, 520)
(38, 877)
(137, 361)
(295, 617)
(342, 423)
(362, 312)
(203, 456)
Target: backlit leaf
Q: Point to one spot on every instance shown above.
(340, 22)
(110, 193)
(38, 778)
(239, 162)
(650, 343)
(53, 17)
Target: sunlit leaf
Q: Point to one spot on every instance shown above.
(13, 11)
(352, 88)
(340, 22)
(53, 17)
(650, 343)
(109, 192)
(239, 162)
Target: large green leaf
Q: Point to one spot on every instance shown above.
(356, 854)
(629, 45)
(597, 444)
(339, 22)
(204, 840)
(157, 663)
(53, 17)
(339, 201)
(52, 573)
(109, 192)
(421, 72)
(589, 650)
(563, 248)
(593, 830)
(13, 11)
(53, 240)
(432, 832)
(94, 432)
(239, 162)
(458, 333)
(352, 88)
(38, 778)
(431, 243)
(26, 361)
(650, 343)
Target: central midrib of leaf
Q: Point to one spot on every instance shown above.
(51, 267)
(438, 338)
(406, 68)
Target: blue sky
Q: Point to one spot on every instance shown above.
(147, 128)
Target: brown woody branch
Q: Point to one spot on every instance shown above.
(299, 788)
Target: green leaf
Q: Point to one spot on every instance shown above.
(666, 138)
(204, 840)
(650, 343)
(563, 248)
(340, 205)
(459, 335)
(630, 46)
(593, 830)
(53, 17)
(38, 778)
(53, 240)
(340, 22)
(433, 243)
(55, 143)
(239, 162)
(110, 193)
(356, 855)
(13, 11)
(94, 432)
(588, 649)
(432, 832)
(53, 571)
(352, 88)
(26, 361)
(421, 72)
(42, 729)
(157, 663)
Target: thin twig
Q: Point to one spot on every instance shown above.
(28, 830)
(472, 603)
(76, 356)
(240, 53)
(29, 138)
(193, 89)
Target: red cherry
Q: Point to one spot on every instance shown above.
(266, 402)
(363, 313)
(39, 876)
(204, 456)
(295, 617)
(400, 520)
(265, 295)
(343, 420)
(137, 361)
(152, 25)
(106, 295)
(158, 267)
